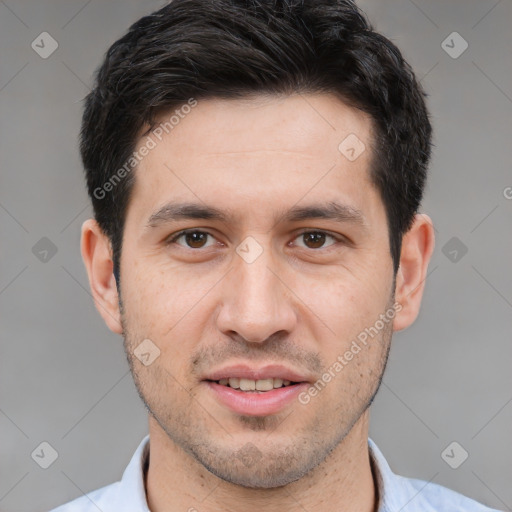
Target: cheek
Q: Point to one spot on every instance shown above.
(166, 305)
(346, 302)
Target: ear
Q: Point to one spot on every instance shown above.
(96, 253)
(417, 248)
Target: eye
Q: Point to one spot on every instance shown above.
(315, 239)
(193, 239)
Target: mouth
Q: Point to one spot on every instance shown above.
(256, 392)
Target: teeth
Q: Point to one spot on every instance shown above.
(278, 383)
(247, 385)
(254, 385)
(264, 384)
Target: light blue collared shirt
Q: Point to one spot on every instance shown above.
(396, 493)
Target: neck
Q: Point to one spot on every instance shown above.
(343, 481)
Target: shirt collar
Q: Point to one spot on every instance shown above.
(395, 491)
(132, 492)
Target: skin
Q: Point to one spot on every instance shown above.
(300, 303)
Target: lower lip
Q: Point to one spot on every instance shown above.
(256, 404)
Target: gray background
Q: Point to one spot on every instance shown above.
(64, 377)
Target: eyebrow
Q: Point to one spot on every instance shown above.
(331, 211)
(181, 211)
(172, 212)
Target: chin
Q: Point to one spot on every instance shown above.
(259, 477)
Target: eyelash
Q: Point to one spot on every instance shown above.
(178, 235)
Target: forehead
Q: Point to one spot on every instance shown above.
(305, 124)
(257, 152)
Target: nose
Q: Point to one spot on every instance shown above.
(256, 302)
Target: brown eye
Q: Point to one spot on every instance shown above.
(315, 239)
(196, 239)
(192, 239)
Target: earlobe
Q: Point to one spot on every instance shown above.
(417, 248)
(96, 253)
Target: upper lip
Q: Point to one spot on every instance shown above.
(243, 371)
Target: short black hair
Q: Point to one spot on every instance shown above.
(229, 49)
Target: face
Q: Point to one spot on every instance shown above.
(270, 280)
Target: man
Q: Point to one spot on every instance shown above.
(256, 170)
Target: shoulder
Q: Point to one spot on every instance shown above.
(126, 495)
(398, 492)
(431, 497)
(100, 499)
